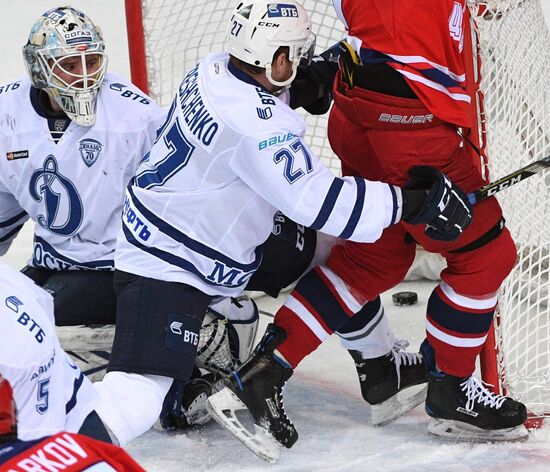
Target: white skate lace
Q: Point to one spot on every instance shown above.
(477, 393)
(280, 404)
(402, 357)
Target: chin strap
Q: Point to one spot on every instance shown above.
(285, 83)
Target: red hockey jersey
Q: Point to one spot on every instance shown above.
(423, 40)
(68, 452)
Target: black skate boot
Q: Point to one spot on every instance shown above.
(257, 387)
(463, 409)
(382, 378)
(185, 404)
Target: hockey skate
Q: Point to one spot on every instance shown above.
(384, 379)
(462, 409)
(257, 388)
(185, 404)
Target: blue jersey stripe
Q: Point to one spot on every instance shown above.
(372, 57)
(76, 387)
(107, 264)
(11, 221)
(394, 199)
(357, 210)
(10, 234)
(328, 204)
(190, 243)
(178, 261)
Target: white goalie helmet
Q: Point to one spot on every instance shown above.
(259, 27)
(65, 56)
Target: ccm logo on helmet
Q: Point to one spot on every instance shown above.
(405, 119)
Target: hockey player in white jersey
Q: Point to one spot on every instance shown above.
(73, 140)
(50, 391)
(75, 137)
(231, 153)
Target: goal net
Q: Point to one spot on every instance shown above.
(515, 50)
(168, 37)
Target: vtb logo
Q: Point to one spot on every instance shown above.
(188, 336)
(63, 207)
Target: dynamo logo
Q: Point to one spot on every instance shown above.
(90, 149)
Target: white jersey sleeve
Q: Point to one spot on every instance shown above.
(50, 391)
(12, 218)
(203, 201)
(289, 176)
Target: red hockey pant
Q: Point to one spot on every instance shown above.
(378, 137)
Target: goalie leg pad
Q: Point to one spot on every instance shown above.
(227, 335)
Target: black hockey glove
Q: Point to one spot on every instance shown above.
(312, 88)
(430, 197)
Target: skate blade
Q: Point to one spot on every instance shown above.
(222, 407)
(396, 406)
(197, 413)
(464, 432)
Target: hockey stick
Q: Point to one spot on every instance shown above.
(508, 180)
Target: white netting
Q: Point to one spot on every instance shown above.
(515, 46)
(179, 34)
(516, 52)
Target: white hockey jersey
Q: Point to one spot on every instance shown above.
(229, 155)
(51, 393)
(72, 189)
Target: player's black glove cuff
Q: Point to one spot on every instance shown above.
(430, 198)
(312, 88)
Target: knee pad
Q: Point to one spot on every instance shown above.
(482, 271)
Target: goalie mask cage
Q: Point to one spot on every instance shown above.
(511, 41)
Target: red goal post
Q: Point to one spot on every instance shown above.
(510, 78)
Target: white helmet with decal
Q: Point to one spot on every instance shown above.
(61, 37)
(258, 28)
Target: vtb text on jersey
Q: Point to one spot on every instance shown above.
(50, 391)
(229, 155)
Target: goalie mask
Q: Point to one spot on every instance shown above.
(8, 419)
(258, 28)
(65, 56)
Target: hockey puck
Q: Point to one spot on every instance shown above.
(404, 298)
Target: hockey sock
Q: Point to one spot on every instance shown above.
(368, 331)
(457, 327)
(130, 403)
(318, 305)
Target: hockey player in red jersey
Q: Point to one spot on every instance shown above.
(62, 451)
(399, 100)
